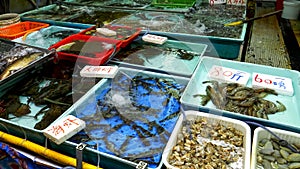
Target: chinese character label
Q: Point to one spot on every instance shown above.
(64, 128)
(281, 85)
(99, 71)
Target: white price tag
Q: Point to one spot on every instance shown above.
(281, 85)
(63, 129)
(154, 39)
(99, 71)
(106, 32)
(224, 74)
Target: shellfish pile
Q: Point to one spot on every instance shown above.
(203, 143)
(271, 155)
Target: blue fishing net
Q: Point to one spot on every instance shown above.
(131, 117)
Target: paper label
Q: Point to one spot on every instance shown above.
(99, 71)
(281, 85)
(212, 2)
(154, 39)
(228, 75)
(106, 32)
(236, 2)
(63, 129)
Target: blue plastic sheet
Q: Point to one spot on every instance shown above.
(131, 117)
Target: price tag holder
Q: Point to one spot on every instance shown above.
(225, 74)
(154, 39)
(99, 71)
(281, 85)
(63, 129)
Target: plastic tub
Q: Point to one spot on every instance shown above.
(211, 119)
(8, 46)
(260, 134)
(138, 130)
(108, 46)
(46, 37)
(19, 29)
(124, 33)
(172, 57)
(291, 9)
(288, 119)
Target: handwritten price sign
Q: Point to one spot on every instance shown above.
(64, 129)
(236, 2)
(281, 85)
(154, 39)
(99, 71)
(228, 75)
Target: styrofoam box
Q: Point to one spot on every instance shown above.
(260, 133)
(239, 125)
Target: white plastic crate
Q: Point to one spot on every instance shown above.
(260, 133)
(237, 124)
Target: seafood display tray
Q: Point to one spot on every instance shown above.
(14, 77)
(260, 134)
(59, 23)
(75, 13)
(47, 37)
(142, 121)
(173, 3)
(225, 48)
(56, 22)
(49, 12)
(19, 29)
(287, 120)
(165, 58)
(212, 119)
(124, 33)
(108, 48)
(23, 126)
(54, 82)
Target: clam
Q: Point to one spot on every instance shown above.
(271, 155)
(212, 145)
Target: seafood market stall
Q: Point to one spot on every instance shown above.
(203, 25)
(145, 84)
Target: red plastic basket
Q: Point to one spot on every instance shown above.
(19, 29)
(100, 57)
(121, 30)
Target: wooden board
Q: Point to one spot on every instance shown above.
(266, 46)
